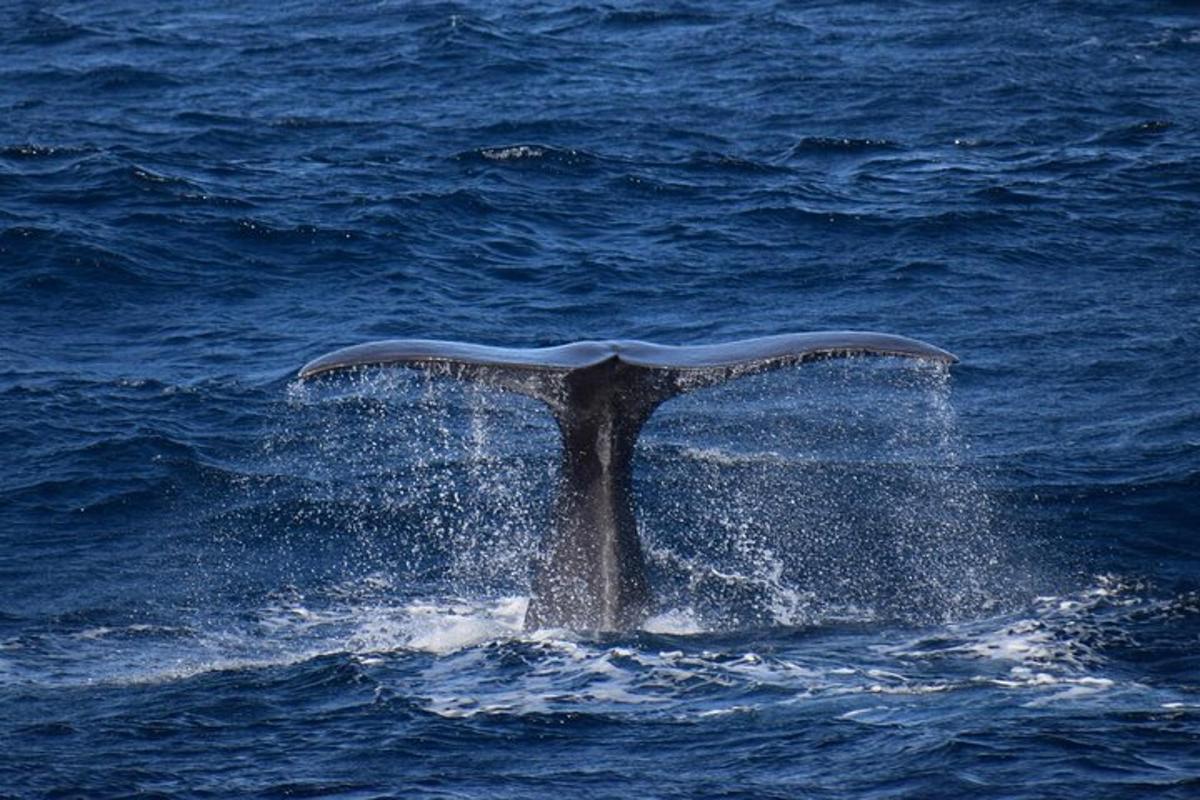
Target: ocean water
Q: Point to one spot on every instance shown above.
(872, 579)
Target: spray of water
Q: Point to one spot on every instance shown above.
(840, 491)
(443, 485)
(398, 513)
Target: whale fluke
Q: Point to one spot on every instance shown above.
(590, 572)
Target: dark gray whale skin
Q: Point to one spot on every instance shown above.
(590, 572)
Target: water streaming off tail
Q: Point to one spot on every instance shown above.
(840, 490)
(837, 491)
(440, 484)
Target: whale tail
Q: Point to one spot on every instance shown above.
(590, 572)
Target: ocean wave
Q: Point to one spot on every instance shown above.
(457, 201)
(43, 151)
(77, 472)
(711, 161)
(639, 18)
(42, 27)
(105, 78)
(647, 185)
(315, 123)
(559, 127)
(1005, 195)
(834, 220)
(151, 178)
(537, 155)
(257, 229)
(1139, 133)
(52, 262)
(210, 118)
(834, 145)
(675, 669)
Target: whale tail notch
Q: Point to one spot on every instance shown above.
(590, 572)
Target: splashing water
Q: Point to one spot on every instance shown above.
(458, 657)
(837, 491)
(819, 542)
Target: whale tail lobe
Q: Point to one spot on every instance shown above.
(590, 571)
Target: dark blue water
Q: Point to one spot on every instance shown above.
(873, 579)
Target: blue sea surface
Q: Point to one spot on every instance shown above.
(873, 578)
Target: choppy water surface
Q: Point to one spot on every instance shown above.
(873, 579)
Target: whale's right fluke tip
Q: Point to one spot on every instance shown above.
(781, 350)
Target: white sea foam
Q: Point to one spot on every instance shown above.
(924, 540)
(440, 630)
(460, 658)
(514, 152)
